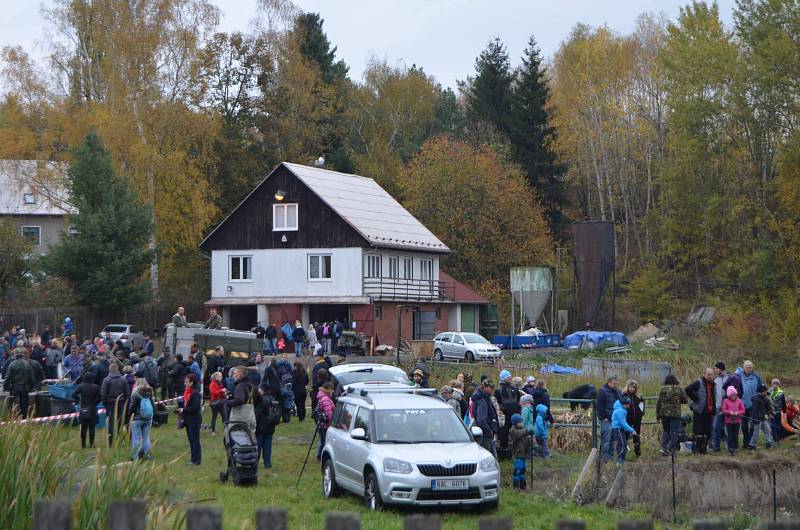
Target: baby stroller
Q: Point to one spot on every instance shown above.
(240, 444)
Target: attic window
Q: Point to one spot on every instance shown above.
(29, 198)
(284, 217)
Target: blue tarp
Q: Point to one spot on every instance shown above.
(558, 369)
(592, 339)
(543, 340)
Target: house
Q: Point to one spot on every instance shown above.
(32, 197)
(315, 245)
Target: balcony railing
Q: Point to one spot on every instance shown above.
(409, 290)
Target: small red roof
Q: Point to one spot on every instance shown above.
(462, 292)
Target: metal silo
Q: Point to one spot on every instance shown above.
(594, 265)
(531, 289)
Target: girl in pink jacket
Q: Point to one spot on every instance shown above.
(732, 410)
(325, 405)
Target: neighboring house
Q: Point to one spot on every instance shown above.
(32, 196)
(314, 245)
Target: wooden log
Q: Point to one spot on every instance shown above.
(342, 521)
(495, 523)
(569, 524)
(781, 525)
(203, 518)
(584, 476)
(272, 519)
(613, 492)
(710, 525)
(422, 522)
(635, 525)
(126, 515)
(52, 514)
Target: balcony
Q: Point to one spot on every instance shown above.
(409, 290)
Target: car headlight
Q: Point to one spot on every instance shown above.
(392, 465)
(488, 464)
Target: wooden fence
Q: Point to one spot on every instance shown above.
(130, 515)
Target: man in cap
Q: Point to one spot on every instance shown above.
(507, 396)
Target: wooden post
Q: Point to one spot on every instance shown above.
(203, 518)
(272, 519)
(709, 525)
(495, 523)
(613, 493)
(782, 525)
(576, 491)
(635, 525)
(422, 522)
(342, 521)
(126, 515)
(570, 525)
(52, 515)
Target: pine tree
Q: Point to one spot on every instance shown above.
(488, 94)
(315, 47)
(532, 135)
(106, 259)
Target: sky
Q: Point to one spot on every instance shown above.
(442, 36)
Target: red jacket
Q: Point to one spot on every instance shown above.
(733, 411)
(325, 404)
(217, 390)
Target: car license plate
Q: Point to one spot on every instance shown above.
(450, 484)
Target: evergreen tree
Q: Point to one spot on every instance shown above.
(532, 135)
(315, 47)
(488, 94)
(106, 259)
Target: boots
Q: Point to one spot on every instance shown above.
(523, 484)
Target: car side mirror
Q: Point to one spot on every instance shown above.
(477, 432)
(358, 434)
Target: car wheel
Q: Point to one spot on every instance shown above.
(329, 487)
(437, 354)
(470, 357)
(372, 493)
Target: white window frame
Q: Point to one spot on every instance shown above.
(29, 198)
(426, 266)
(394, 263)
(240, 257)
(38, 233)
(374, 258)
(308, 270)
(408, 268)
(284, 207)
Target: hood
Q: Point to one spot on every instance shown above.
(434, 453)
(740, 371)
(541, 409)
(458, 394)
(618, 405)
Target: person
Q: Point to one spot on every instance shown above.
(541, 430)
(148, 346)
(87, 394)
(270, 339)
(668, 412)
(520, 447)
(327, 333)
(417, 376)
(635, 413)
(733, 410)
(606, 398)
(325, 406)
(528, 414)
(53, 358)
(485, 415)
(718, 426)
(67, 326)
(148, 370)
(258, 330)
(214, 320)
(762, 413)
(750, 383)
(115, 392)
(191, 412)
(298, 336)
(338, 331)
(240, 403)
(287, 395)
(46, 335)
(217, 400)
(19, 381)
(268, 416)
(530, 385)
(778, 398)
(142, 410)
(702, 393)
(620, 429)
(458, 395)
(215, 361)
(541, 397)
(73, 364)
(507, 396)
(299, 385)
(179, 318)
(177, 375)
(193, 365)
(165, 363)
(312, 338)
(447, 395)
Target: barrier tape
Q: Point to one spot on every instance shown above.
(60, 417)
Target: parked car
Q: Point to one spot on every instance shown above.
(400, 446)
(467, 346)
(347, 374)
(127, 333)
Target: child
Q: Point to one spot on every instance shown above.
(620, 429)
(761, 413)
(528, 414)
(541, 430)
(732, 410)
(520, 445)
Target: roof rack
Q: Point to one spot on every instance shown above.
(363, 392)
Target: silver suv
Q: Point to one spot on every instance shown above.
(400, 446)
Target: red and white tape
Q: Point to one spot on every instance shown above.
(58, 417)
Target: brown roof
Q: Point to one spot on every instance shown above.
(462, 292)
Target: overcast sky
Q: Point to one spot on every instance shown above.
(442, 36)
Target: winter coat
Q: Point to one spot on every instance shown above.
(265, 425)
(177, 374)
(18, 372)
(312, 337)
(520, 441)
(762, 408)
(735, 381)
(719, 390)
(298, 334)
(635, 412)
(88, 396)
(750, 384)
(325, 404)
(136, 402)
(216, 390)
(508, 397)
(299, 384)
(733, 411)
(669, 402)
(325, 363)
(485, 413)
(115, 389)
(192, 408)
(270, 332)
(73, 366)
(778, 400)
(605, 402)
(542, 427)
(698, 393)
(529, 419)
(529, 389)
(541, 397)
(53, 357)
(619, 418)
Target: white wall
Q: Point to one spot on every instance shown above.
(284, 272)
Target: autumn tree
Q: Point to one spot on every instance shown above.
(16, 261)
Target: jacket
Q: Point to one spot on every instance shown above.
(541, 429)
(18, 372)
(762, 408)
(298, 334)
(778, 400)
(719, 390)
(733, 411)
(216, 390)
(325, 363)
(750, 384)
(264, 424)
(88, 396)
(73, 366)
(619, 418)
(114, 386)
(529, 419)
(192, 409)
(312, 337)
(735, 381)
(485, 413)
(541, 397)
(270, 333)
(669, 402)
(605, 402)
(697, 392)
(520, 441)
(635, 411)
(299, 384)
(177, 373)
(325, 404)
(53, 357)
(242, 394)
(136, 401)
(508, 397)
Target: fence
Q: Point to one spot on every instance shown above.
(130, 515)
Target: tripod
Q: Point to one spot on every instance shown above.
(317, 429)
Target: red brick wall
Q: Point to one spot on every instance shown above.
(386, 328)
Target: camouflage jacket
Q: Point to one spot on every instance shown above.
(669, 401)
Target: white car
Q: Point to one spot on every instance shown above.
(130, 336)
(467, 346)
(343, 375)
(399, 446)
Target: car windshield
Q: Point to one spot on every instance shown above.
(371, 374)
(474, 338)
(406, 426)
(115, 329)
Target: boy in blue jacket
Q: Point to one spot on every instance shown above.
(541, 429)
(620, 428)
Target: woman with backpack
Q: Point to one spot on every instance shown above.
(268, 416)
(88, 395)
(142, 410)
(299, 385)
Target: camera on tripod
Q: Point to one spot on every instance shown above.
(320, 418)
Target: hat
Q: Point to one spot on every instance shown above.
(720, 365)
(418, 372)
(526, 398)
(504, 374)
(516, 418)
(625, 400)
(731, 391)
(530, 379)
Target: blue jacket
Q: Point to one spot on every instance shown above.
(619, 418)
(529, 419)
(542, 426)
(750, 384)
(605, 402)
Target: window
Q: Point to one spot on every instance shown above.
(374, 266)
(408, 268)
(32, 234)
(241, 269)
(362, 420)
(426, 269)
(343, 417)
(438, 314)
(394, 267)
(28, 198)
(378, 312)
(284, 217)
(319, 267)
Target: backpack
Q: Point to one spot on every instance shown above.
(273, 409)
(147, 369)
(146, 408)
